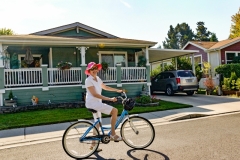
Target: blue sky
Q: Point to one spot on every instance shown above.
(134, 19)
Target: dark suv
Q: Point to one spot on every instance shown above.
(175, 81)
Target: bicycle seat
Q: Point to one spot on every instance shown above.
(92, 110)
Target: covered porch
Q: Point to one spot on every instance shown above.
(47, 77)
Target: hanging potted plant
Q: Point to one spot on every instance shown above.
(64, 65)
(104, 66)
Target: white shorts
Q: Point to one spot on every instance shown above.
(100, 108)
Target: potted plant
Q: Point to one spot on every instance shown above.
(104, 66)
(11, 101)
(64, 65)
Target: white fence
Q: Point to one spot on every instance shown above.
(23, 77)
(67, 76)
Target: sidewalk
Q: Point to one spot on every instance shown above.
(40, 134)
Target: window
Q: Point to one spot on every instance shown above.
(36, 57)
(113, 58)
(197, 60)
(230, 56)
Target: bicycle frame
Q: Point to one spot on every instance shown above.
(119, 120)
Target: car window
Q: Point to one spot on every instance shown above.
(158, 77)
(185, 74)
(169, 75)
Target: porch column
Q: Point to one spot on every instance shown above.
(176, 63)
(136, 59)
(193, 64)
(147, 56)
(50, 57)
(83, 63)
(44, 77)
(1, 55)
(148, 77)
(2, 89)
(119, 73)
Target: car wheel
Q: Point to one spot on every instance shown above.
(169, 90)
(190, 93)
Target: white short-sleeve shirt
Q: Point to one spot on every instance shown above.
(97, 85)
(93, 102)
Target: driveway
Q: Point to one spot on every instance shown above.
(202, 104)
(196, 99)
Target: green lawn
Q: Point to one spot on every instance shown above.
(51, 116)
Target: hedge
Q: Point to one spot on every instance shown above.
(226, 69)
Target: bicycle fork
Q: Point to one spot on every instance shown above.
(132, 126)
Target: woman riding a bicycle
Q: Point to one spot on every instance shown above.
(94, 86)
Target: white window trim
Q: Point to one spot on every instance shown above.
(195, 57)
(112, 52)
(34, 55)
(226, 52)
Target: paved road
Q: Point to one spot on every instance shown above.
(214, 138)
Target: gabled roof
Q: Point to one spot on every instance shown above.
(200, 44)
(77, 26)
(209, 46)
(225, 43)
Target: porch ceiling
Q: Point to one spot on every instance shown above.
(156, 54)
(36, 40)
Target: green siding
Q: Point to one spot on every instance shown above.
(61, 94)
(65, 54)
(73, 33)
(66, 94)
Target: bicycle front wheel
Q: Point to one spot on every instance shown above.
(71, 140)
(137, 132)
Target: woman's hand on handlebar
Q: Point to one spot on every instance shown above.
(114, 99)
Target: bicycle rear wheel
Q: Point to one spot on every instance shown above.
(137, 132)
(71, 140)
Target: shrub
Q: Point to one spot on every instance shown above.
(227, 69)
(226, 84)
(232, 80)
(144, 99)
(209, 84)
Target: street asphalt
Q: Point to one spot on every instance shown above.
(203, 106)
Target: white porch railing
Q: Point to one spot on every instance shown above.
(33, 76)
(133, 74)
(68, 76)
(23, 77)
(110, 75)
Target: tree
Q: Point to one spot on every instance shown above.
(213, 38)
(5, 31)
(202, 33)
(178, 36)
(235, 27)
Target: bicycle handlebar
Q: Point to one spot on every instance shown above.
(122, 96)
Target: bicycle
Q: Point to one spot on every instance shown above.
(137, 132)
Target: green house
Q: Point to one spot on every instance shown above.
(28, 64)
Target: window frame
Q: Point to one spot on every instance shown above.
(112, 52)
(226, 52)
(34, 55)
